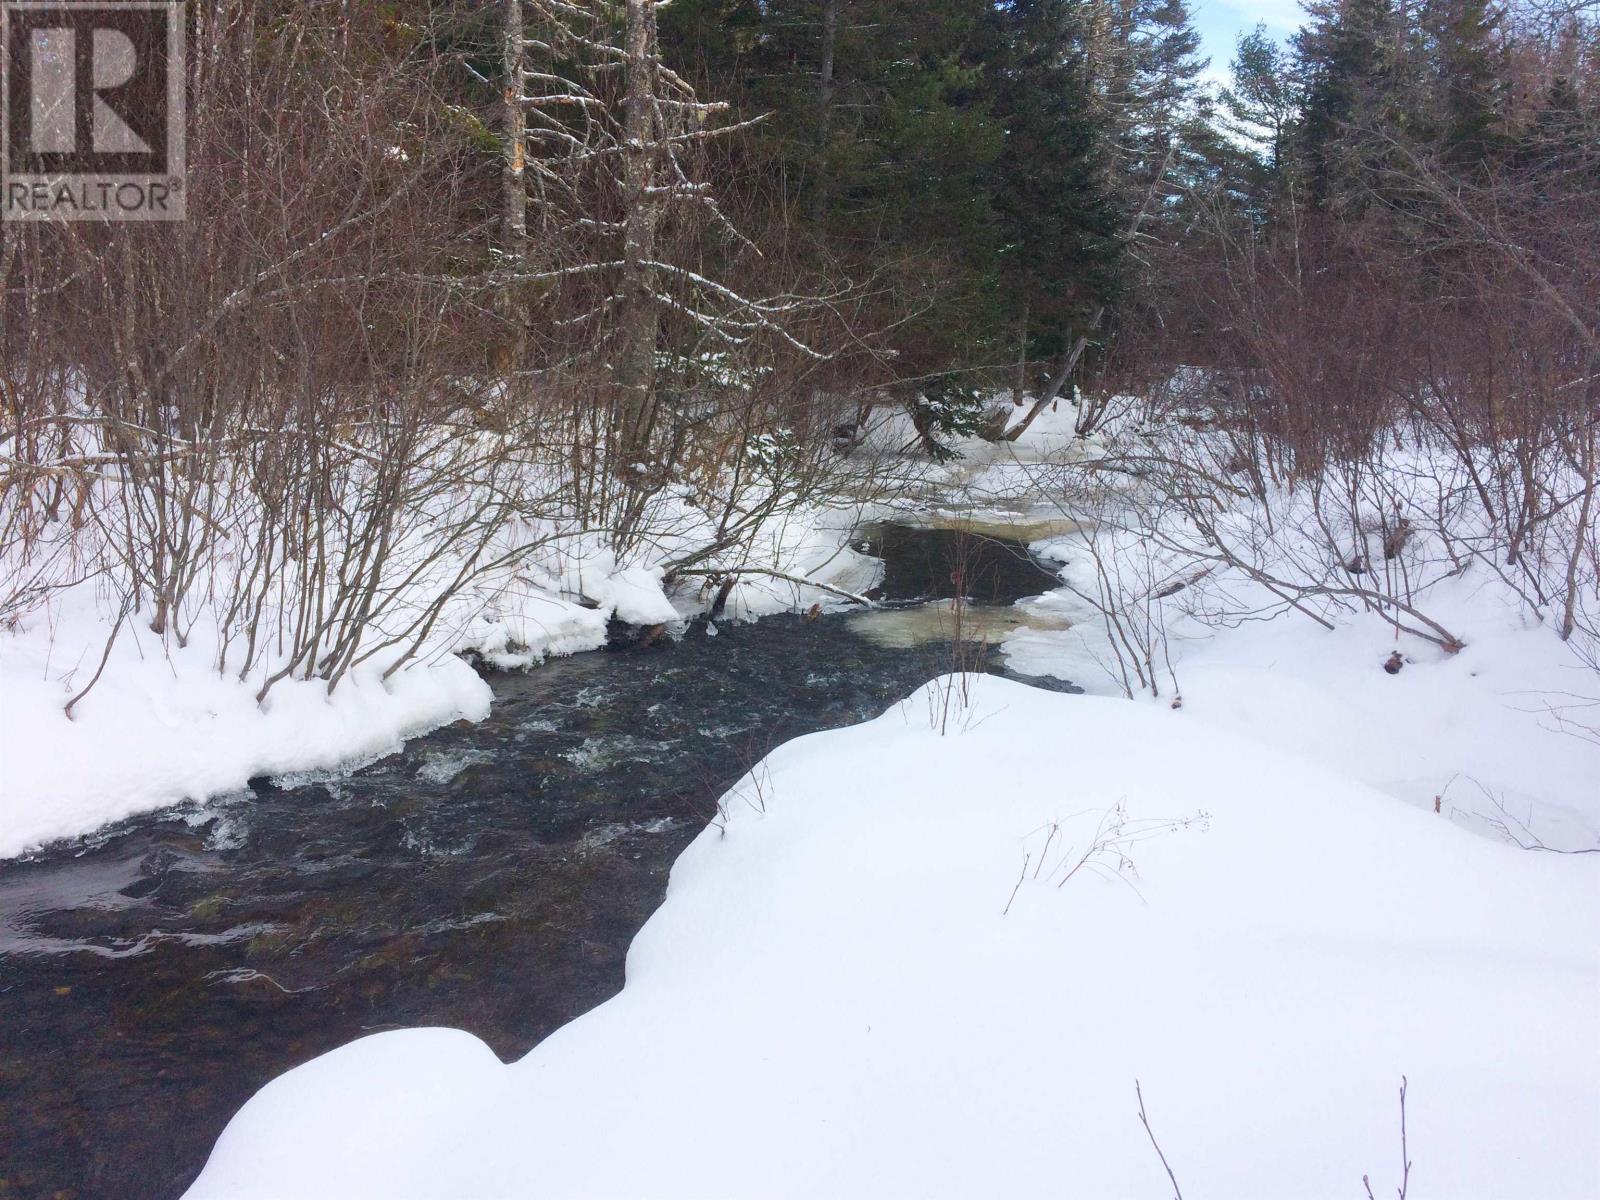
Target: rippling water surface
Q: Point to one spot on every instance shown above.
(489, 877)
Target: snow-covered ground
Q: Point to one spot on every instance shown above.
(1267, 876)
(1469, 734)
(1502, 736)
(163, 726)
(916, 965)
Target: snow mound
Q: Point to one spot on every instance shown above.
(1474, 734)
(917, 965)
(168, 728)
(634, 595)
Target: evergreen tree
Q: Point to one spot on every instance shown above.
(1345, 55)
(1261, 106)
(1061, 254)
(987, 163)
(876, 149)
(1466, 70)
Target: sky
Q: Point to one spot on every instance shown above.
(1220, 22)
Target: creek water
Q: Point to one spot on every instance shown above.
(488, 877)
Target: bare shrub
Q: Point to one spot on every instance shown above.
(277, 420)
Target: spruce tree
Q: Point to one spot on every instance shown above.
(1346, 55)
(1061, 253)
(1466, 73)
(1261, 105)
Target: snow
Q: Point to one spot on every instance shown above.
(1502, 734)
(634, 595)
(1466, 729)
(926, 957)
(162, 725)
(878, 975)
(1479, 732)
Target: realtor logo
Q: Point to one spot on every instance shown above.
(93, 110)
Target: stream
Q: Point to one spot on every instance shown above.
(488, 877)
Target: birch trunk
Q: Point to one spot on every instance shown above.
(513, 189)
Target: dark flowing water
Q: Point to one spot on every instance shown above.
(489, 877)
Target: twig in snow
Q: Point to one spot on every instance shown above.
(786, 577)
(105, 656)
(1405, 1153)
(1021, 875)
(1527, 839)
(1177, 1192)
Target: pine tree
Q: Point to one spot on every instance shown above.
(876, 131)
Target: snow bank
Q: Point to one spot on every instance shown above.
(162, 725)
(1476, 734)
(834, 1000)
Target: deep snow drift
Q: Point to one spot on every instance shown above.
(907, 964)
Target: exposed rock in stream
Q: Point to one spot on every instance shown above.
(622, 635)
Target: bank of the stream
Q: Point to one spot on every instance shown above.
(489, 877)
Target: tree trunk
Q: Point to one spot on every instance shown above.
(633, 375)
(1569, 614)
(830, 33)
(1069, 363)
(513, 186)
(513, 191)
(1020, 384)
